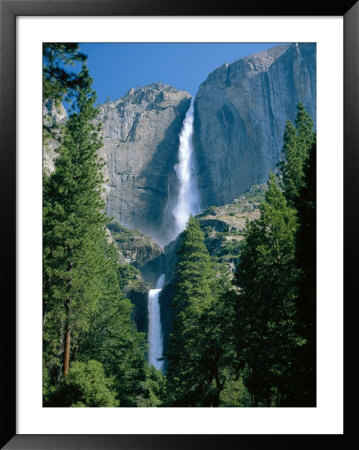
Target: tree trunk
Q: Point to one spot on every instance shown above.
(220, 387)
(68, 325)
(67, 350)
(60, 353)
(254, 400)
(67, 338)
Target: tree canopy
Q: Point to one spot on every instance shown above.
(199, 344)
(87, 326)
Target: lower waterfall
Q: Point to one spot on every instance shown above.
(155, 345)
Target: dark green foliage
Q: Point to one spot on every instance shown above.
(121, 349)
(85, 386)
(58, 82)
(275, 307)
(84, 312)
(231, 248)
(306, 305)
(234, 393)
(194, 270)
(113, 338)
(299, 183)
(265, 309)
(199, 347)
(298, 140)
(127, 274)
(153, 389)
(73, 232)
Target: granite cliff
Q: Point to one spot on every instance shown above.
(140, 143)
(239, 118)
(240, 114)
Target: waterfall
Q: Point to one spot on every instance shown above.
(155, 346)
(188, 200)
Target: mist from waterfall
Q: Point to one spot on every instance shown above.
(154, 337)
(188, 200)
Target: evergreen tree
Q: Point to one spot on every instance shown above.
(265, 310)
(112, 337)
(306, 304)
(85, 386)
(299, 184)
(198, 343)
(153, 389)
(73, 226)
(298, 140)
(58, 82)
(85, 315)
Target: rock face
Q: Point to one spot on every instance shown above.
(138, 250)
(140, 134)
(141, 260)
(240, 114)
(54, 117)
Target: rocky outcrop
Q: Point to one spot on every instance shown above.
(138, 250)
(136, 289)
(240, 114)
(140, 144)
(53, 118)
(141, 260)
(223, 227)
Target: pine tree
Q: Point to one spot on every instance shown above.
(306, 303)
(58, 82)
(299, 187)
(197, 349)
(85, 315)
(265, 310)
(298, 140)
(111, 337)
(73, 225)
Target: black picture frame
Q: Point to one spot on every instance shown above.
(9, 10)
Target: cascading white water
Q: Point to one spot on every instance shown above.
(155, 346)
(188, 200)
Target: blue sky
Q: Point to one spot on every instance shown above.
(117, 67)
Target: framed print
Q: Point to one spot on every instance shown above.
(227, 143)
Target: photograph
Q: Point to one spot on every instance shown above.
(179, 232)
(179, 224)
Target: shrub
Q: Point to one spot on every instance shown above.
(85, 386)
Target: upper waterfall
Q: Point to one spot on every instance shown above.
(188, 199)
